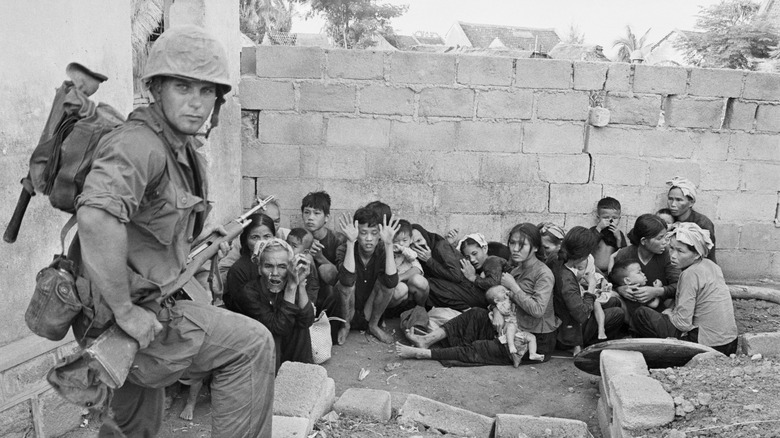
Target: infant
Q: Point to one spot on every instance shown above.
(518, 341)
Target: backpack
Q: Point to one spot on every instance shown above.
(64, 155)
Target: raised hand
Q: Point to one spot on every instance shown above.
(423, 252)
(387, 230)
(349, 228)
(468, 270)
(316, 250)
(452, 236)
(509, 282)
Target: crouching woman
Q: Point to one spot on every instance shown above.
(703, 311)
(278, 299)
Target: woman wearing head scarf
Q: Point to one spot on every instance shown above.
(680, 199)
(278, 299)
(703, 311)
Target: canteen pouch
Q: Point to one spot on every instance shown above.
(54, 304)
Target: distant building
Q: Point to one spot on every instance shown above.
(493, 36)
(420, 41)
(666, 52)
(578, 52)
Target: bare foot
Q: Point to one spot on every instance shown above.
(417, 340)
(576, 350)
(186, 413)
(602, 335)
(192, 398)
(535, 356)
(343, 332)
(516, 359)
(408, 352)
(380, 334)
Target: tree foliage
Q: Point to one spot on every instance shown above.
(574, 36)
(732, 35)
(258, 16)
(627, 44)
(353, 23)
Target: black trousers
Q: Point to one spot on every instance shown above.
(651, 324)
(613, 323)
(471, 340)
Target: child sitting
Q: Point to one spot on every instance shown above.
(601, 288)
(629, 272)
(608, 212)
(411, 283)
(300, 240)
(552, 236)
(510, 335)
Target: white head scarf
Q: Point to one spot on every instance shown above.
(477, 237)
(685, 185)
(691, 234)
(265, 245)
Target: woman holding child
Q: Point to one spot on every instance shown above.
(472, 337)
(703, 311)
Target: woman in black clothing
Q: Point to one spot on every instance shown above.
(261, 227)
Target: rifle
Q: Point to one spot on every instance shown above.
(113, 351)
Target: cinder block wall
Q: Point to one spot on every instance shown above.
(482, 143)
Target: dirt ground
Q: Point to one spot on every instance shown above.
(555, 389)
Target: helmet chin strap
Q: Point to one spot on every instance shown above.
(215, 112)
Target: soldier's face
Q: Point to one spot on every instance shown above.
(186, 104)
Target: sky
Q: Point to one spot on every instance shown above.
(602, 21)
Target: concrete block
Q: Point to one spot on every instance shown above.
(744, 264)
(612, 140)
(455, 166)
(248, 61)
(490, 225)
(640, 402)
(572, 105)
(369, 403)
(728, 236)
(299, 129)
(500, 104)
(348, 195)
(248, 192)
(543, 73)
(756, 237)
(336, 163)
(266, 160)
(25, 376)
(553, 138)
(382, 99)
(719, 82)
(659, 80)
(635, 200)
(325, 400)
(358, 132)
(490, 137)
(59, 415)
(688, 112)
(422, 68)
(397, 399)
(249, 125)
(604, 416)
(743, 207)
(259, 94)
(408, 199)
(710, 146)
(512, 426)
(614, 363)
(766, 344)
(578, 220)
(574, 198)
(740, 115)
(590, 75)
(668, 143)
(447, 419)
(662, 171)
(619, 170)
(767, 118)
(290, 190)
(423, 136)
(755, 147)
(400, 166)
(508, 168)
(573, 169)
(289, 427)
(298, 390)
(761, 177)
(761, 86)
(619, 77)
(720, 176)
(355, 64)
(452, 102)
(470, 197)
(484, 70)
(17, 421)
(519, 197)
(634, 109)
(299, 62)
(316, 96)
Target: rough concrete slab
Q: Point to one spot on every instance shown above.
(289, 427)
(767, 344)
(397, 400)
(303, 390)
(640, 402)
(604, 415)
(325, 401)
(615, 363)
(447, 419)
(510, 426)
(361, 402)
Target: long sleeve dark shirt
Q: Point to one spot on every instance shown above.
(572, 307)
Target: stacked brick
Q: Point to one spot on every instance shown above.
(481, 143)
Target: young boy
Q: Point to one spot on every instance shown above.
(498, 296)
(601, 288)
(300, 240)
(367, 278)
(629, 272)
(612, 239)
(411, 283)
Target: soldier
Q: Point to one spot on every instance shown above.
(143, 203)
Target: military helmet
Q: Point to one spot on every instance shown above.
(189, 52)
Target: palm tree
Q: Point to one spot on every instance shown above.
(628, 44)
(257, 16)
(146, 18)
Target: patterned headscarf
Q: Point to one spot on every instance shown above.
(685, 185)
(477, 237)
(555, 230)
(691, 234)
(272, 243)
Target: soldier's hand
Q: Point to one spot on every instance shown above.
(139, 323)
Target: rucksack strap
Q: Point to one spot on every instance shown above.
(65, 230)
